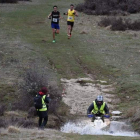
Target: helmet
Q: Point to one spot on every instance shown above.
(99, 98)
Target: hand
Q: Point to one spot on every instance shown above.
(90, 115)
(48, 95)
(107, 116)
(49, 17)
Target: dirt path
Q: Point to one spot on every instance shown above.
(80, 96)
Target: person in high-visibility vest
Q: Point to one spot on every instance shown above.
(98, 108)
(43, 112)
(70, 19)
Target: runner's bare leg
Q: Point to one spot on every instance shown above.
(69, 29)
(53, 33)
(57, 31)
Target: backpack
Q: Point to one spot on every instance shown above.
(38, 101)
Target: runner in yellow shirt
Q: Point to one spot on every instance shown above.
(70, 20)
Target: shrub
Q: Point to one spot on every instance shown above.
(24, 0)
(8, 1)
(32, 112)
(34, 79)
(106, 7)
(105, 22)
(119, 24)
(2, 123)
(2, 110)
(80, 7)
(133, 25)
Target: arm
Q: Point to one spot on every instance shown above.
(66, 13)
(75, 12)
(106, 109)
(49, 15)
(90, 108)
(60, 16)
(47, 99)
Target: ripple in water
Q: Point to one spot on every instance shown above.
(87, 127)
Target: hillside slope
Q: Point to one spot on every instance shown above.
(26, 41)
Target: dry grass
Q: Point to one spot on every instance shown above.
(48, 134)
(12, 113)
(130, 112)
(136, 115)
(13, 129)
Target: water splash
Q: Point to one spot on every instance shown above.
(87, 127)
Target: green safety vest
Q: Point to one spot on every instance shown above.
(44, 106)
(96, 110)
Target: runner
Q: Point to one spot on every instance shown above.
(70, 20)
(54, 16)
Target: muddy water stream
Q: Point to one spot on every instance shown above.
(116, 128)
(79, 94)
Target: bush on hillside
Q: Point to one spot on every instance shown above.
(12, 1)
(119, 24)
(33, 81)
(24, 0)
(109, 7)
(8, 1)
(2, 110)
(32, 112)
(2, 123)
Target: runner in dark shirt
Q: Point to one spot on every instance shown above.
(54, 16)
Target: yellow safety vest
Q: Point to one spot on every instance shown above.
(44, 107)
(71, 15)
(96, 110)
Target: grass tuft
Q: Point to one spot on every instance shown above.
(12, 113)
(13, 129)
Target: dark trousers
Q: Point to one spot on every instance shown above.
(43, 118)
(42, 121)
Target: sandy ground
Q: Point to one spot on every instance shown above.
(79, 97)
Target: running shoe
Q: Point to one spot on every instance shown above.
(53, 41)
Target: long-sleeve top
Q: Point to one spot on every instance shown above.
(91, 107)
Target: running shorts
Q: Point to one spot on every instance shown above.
(55, 26)
(70, 23)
